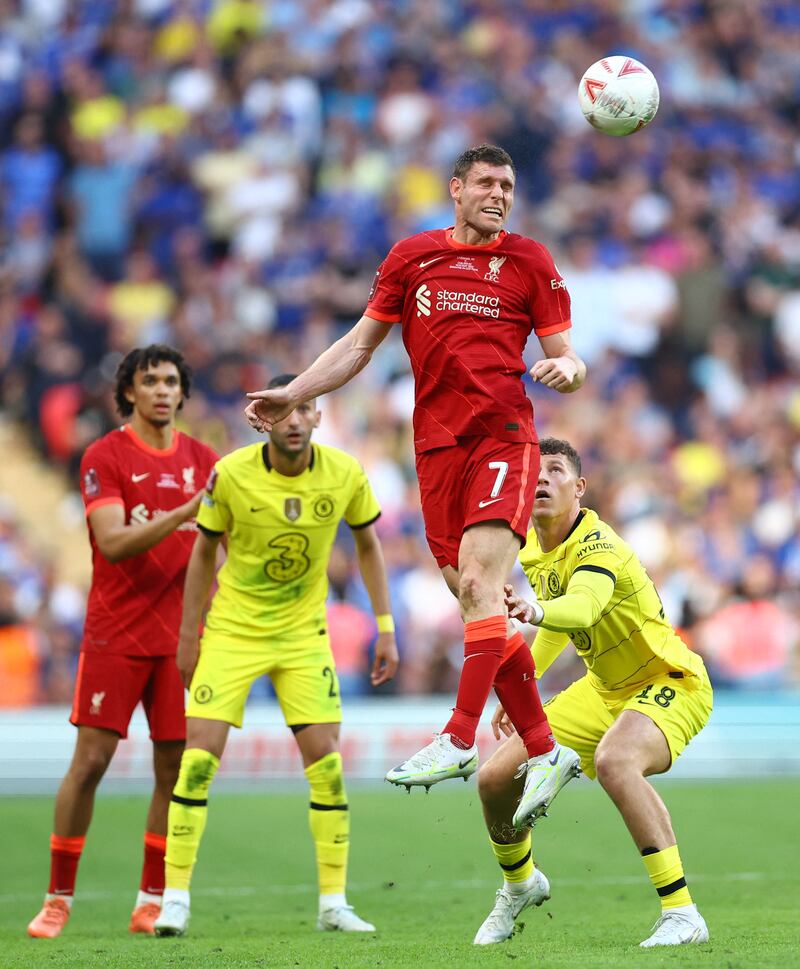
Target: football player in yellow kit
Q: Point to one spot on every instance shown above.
(644, 696)
(280, 505)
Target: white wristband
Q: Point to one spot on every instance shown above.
(538, 614)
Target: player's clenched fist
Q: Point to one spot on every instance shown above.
(557, 372)
(267, 407)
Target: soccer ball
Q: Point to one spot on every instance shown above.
(618, 95)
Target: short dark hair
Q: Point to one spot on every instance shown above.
(492, 154)
(142, 358)
(552, 445)
(281, 380)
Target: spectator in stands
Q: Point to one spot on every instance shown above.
(264, 156)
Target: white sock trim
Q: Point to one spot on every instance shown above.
(518, 888)
(49, 896)
(332, 901)
(146, 898)
(681, 909)
(176, 895)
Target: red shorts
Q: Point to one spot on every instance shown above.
(109, 686)
(478, 480)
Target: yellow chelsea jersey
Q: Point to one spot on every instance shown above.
(280, 534)
(595, 591)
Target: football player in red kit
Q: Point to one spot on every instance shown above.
(467, 299)
(141, 486)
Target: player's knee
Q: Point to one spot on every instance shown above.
(167, 769)
(472, 586)
(198, 768)
(612, 765)
(88, 769)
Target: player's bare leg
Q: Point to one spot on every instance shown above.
(500, 786)
(486, 556)
(329, 821)
(186, 819)
(547, 765)
(166, 764)
(75, 799)
(632, 749)
(74, 805)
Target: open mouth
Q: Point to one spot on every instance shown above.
(492, 210)
(541, 493)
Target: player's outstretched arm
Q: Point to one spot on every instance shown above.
(332, 368)
(118, 540)
(373, 572)
(196, 589)
(562, 369)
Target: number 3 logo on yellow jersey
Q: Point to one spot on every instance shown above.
(292, 562)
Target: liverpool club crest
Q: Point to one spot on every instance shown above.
(495, 265)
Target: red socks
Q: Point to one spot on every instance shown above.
(516, 689)
(484, 645)
(155, 846)
(65, 853)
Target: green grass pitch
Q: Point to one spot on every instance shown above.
(422, 871)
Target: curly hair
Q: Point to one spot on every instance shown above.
(142, 358)
(492, 154)
(552, 445)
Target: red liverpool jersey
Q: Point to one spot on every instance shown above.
(467, 312)
(135, 605)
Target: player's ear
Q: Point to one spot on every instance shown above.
(317, 417)
(580, 487)
(455, 188)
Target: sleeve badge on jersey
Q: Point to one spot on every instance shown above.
(91, 483)
(293, 508)
(212, 480)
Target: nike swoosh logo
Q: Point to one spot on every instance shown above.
(427, 262)
(260, 508)
(140, 477)
(554, 761)
(464, 763)
(491, 501)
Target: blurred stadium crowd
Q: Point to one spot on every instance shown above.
(226, 175)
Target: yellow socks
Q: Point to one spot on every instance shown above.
(666, 873)
(329, 820)
(187, 815)
(515, 860)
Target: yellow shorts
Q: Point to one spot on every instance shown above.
(302, 671)
(581, 715)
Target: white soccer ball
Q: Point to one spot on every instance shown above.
(618, 95)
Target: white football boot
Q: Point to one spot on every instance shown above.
(174, 917)
(545, 775)
(499, 923)
(342, 918)
(439, 761)
(678, 926)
